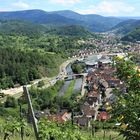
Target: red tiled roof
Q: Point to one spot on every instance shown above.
(61, 118)
(56, 118)
(93, 94)
(103, 116)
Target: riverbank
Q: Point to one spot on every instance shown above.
(19, 90)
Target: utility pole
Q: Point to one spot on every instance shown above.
(93, 130)
(33, 119)
(21, 119)
(72, 117)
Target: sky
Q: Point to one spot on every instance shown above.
(101, 7)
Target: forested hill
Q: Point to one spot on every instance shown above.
(70, 30)
(20, 28)
(31, 29)
(19, 66)
(37, 16)
(125, 27)
(29, 51)
(95, 23)
(133, 36)
(129, 30)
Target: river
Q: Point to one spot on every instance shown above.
(78, 82)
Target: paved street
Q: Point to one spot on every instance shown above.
(51, 80)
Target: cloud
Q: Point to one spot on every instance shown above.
(109, 8)
(65, 2)
(3, 9)
(21, 5)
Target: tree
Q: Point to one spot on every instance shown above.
(13, 126)
(10, 102)
(78, 67)
(41, 83)
(126, 110)
(56, 131)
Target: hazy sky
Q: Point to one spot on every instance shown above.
(102, 7)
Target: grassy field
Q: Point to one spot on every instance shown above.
(99, 135)
(69, 91)
(15, 136)
(109, 135)
(18, 137)
(102, 135)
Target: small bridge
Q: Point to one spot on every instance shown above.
(73, 76)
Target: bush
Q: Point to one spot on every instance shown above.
(10, 102)
(41, 83)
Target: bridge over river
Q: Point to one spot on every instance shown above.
(73, 76)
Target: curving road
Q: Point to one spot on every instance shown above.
(52, 80)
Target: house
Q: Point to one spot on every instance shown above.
(39, 114)
(103, 116)
(112, 99)
(88, 110)
(113, 82)
(55, 118)
(88, 78)
(103, 84)
(92, 98)
(82, 121)
(95, 87)
(60, 118)
(90, 87)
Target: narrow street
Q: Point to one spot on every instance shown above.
(83, 85)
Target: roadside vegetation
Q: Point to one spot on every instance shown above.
(126, 109)
(69, 90)
(11, 128)
(29, 55)
(78, 67)
(25, 58)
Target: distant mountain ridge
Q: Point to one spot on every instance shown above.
(95, 23)
(37, 16)
(125, 27)
(18, 27)
(133, 36)
(129, 30)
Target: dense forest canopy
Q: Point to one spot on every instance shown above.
(31, 29)
(126, 27)
(133, 36)
(19, 66)
(29, 51)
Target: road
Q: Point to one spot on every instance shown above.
(83, 85)
(51, 80)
